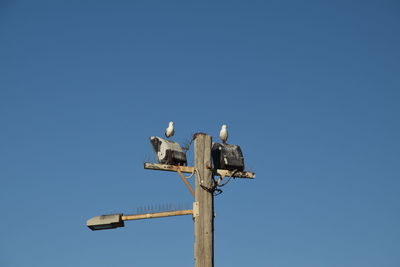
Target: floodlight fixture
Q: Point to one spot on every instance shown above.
(104, 222)
(168, 152)
(227, 157)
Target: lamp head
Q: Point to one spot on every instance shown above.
(104, 222)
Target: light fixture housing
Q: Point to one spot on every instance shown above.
(104, 222)
(168, 152)
(227, 157)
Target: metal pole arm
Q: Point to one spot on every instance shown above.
(156, 215)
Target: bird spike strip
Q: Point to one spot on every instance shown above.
(154, 208)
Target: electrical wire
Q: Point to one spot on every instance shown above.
(227, 181)
(190, 176)
(230, 177)
(208, 189)
(214, 189)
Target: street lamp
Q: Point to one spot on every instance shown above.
(111, 221)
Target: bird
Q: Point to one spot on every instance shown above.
(223, 134)
(169, 132)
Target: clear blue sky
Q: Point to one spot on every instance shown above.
(309, 89)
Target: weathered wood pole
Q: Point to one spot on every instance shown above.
(204, 222)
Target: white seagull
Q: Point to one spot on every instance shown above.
(170, 130)
(223, 134)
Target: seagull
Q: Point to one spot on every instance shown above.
(170, 130)
(223, 134)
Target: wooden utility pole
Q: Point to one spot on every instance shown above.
(204, 199)
(205, 185)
